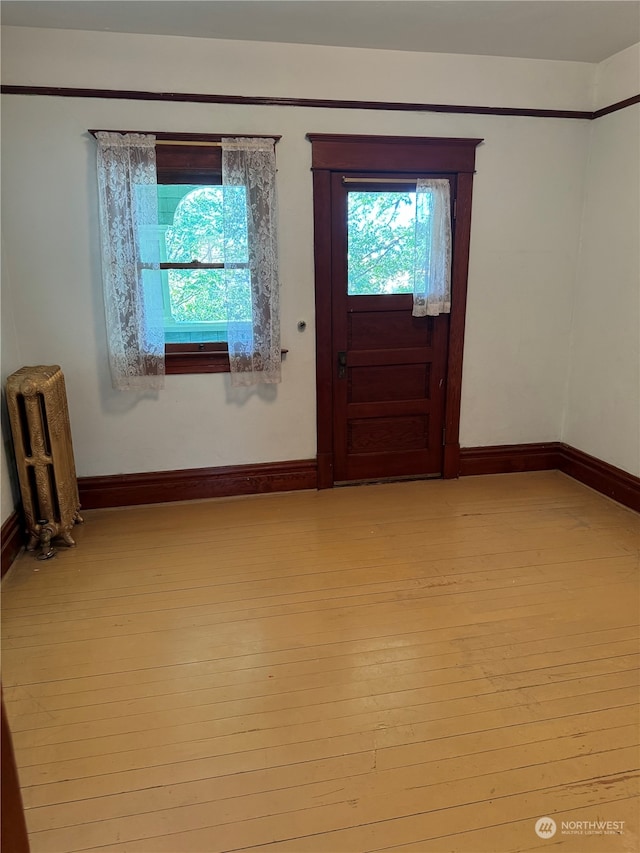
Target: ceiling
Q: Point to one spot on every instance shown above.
(581, 30)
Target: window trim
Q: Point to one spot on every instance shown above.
(192, 158)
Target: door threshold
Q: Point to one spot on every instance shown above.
(373, 481)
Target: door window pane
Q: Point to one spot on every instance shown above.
(381, 242)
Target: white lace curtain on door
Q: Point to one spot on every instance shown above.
(253, 332)
(128, 206)
(432, 269)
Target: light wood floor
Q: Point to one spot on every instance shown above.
(426, 666)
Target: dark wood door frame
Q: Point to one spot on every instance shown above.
(382, 155)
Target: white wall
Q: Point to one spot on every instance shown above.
(526, 217)
(602, 408)
(603, 398)
(162, 64)
(617, 78)
(11, 359)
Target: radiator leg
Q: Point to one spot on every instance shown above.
(46, 551)
(67, 539)
(78, 519)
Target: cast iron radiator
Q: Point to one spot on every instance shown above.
(37, 404)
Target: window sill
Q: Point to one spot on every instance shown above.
(196, 358)
(181, 358)
(196, 362)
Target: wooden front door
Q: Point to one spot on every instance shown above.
(390, 367)
(388, 384)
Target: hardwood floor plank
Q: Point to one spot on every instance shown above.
(353, 619)
(307, 783)
(353, 696)
(172, 692)
(315, 657)
(520, 834)
(319, 594)
(374, 817)
(264, 765)
(443, 833)
(388, 726)
(346, 552)
(396, 784)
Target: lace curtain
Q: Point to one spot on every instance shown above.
(432, 270)
(129, 236)
(254, 347)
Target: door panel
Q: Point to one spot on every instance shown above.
(366, 326)
(389, 385)
(375, 384)
(375, 435)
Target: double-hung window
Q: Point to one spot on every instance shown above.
(200, 225)
(189, 248)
